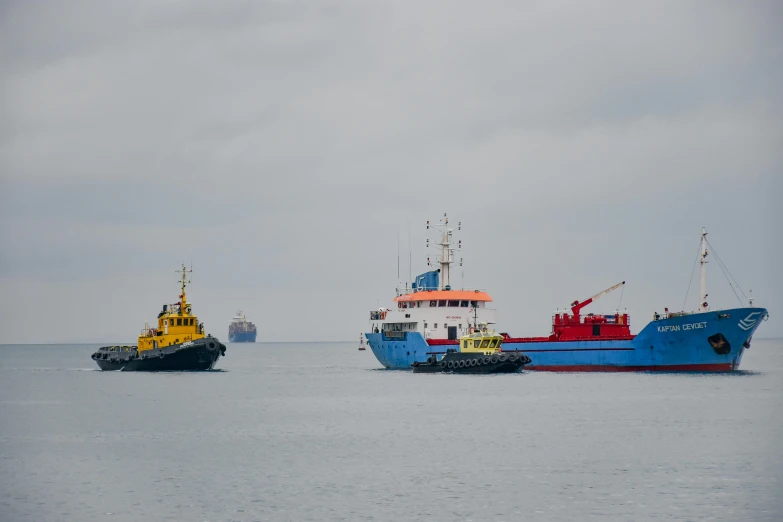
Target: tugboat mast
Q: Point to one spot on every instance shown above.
(446, 252)
(183, 298)
(703, 306)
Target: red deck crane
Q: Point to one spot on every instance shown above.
(576, 306)
(615, 326)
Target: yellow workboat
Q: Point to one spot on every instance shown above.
(178, 342)
(480, 351)
(481, 340)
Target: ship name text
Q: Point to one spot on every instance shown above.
(683, 327)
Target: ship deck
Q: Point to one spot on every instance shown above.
(523, 340)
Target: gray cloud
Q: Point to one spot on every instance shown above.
(281, 147)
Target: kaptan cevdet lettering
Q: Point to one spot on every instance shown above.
(683, 327)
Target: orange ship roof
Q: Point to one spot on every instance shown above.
(434, 295)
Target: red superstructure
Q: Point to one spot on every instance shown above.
(573, 327)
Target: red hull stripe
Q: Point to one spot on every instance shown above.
(525, 340)
(718, 367)
(576, 350)
(567, 339)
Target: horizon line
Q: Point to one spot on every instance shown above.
(126, 344)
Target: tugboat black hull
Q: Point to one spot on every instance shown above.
(199, 355)
(473, 363)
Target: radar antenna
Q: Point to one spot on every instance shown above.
(446, 250)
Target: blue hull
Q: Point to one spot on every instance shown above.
(708, 341)
(245, 337)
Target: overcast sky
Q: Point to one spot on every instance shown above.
(283, 147)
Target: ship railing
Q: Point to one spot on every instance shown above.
(670, 315)
(149, 332)
(408, 290)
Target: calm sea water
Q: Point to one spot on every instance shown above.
(318, 432)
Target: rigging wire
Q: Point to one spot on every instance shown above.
(728, 274)
(723, 269)
(727, 270)
(698, 253)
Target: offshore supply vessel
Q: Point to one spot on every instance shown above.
(432, 315)
(241, 330)
(178, 342)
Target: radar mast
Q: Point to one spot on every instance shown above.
(446, 250)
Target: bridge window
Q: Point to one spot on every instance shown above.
(463, 304)
(433, 304)
(442, 303)
(485, 343)
(425, 325)
(179, 322)
(477, 343)
(435, 326)
(474, 304)
(492, 343)
(453, 303)
(465, 344)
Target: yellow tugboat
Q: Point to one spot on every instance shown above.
(178, 343)
(480, 352)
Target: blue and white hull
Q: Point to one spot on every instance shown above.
(707, 341)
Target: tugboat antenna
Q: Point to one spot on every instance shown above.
(184, 281)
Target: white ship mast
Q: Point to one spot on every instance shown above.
(446, 251)
(703, 306)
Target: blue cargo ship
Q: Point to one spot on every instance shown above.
(431, 316)
(241, 330)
